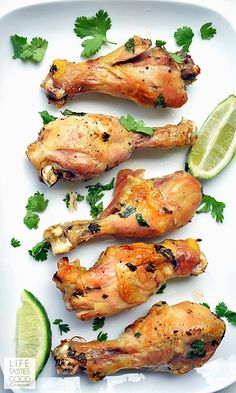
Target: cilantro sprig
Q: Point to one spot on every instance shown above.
(40, 251)
(207, 31)
(63, 327)
(34, 51)
(183, 37)
(135, 126)
(177, 57)
(15, 243)
(95, 194)
(98, 323)
(36, 203)
(95, 27)
(222, 311)
(216, 208)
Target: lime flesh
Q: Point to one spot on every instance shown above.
(216, 143)
(33, 331)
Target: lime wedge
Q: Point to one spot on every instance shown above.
(216, 143)
(33, 331)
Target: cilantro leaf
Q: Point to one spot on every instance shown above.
(135, 126)
(160, 43)
(63, 327)
(47, 118)
(130, 45)
(197, 350)
(205, 305)
(102, 336)
(161, 289)
(68, 112)
(138, 334)
(91, 46)
(98, 323)
(141, 220)
(31, 220)
(216, 208)
(176, 57)
(79, 197)
(127, 212)
(15, 243)
(37, 202)
(207, 31)
(17, 43)
(67, 199)
(93, 26)
(222, 310)
(33, 51)
(183, 37)
(95, 194)
(160, 102)
(39, 46)
(40, 251)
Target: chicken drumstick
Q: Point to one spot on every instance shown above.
(77, 148)
(149, 77)
(169, 338)
(140, 208)
(125, 276)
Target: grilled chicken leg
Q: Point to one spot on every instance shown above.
(125, 276)
(169, 338)
(149, 77)
(78, 148)
(140, 208)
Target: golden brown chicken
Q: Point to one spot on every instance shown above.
(169, 338)
(140, 208)
(149, 77)
(125, 276)
(78, 148)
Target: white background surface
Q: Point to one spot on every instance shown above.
(206, 221)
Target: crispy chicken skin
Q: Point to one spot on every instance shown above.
(163, 340)
(140, 208)
(125, 276)
(149, 77)
(77, 148)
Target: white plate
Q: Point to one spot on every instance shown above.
(21, 99)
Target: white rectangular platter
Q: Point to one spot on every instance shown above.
(20, 101)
